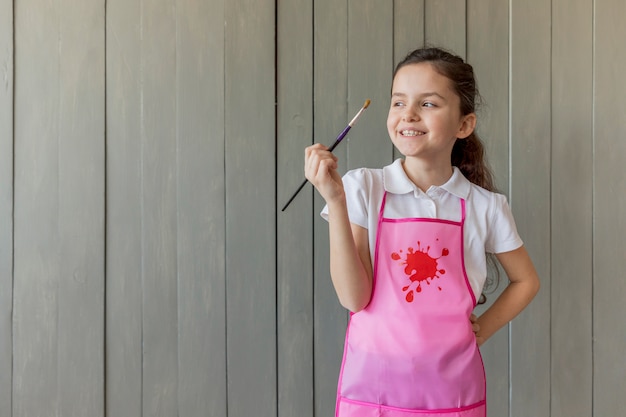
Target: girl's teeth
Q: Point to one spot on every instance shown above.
(411, 133)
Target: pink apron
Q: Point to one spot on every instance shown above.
(411, 351)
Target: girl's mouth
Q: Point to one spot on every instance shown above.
(409, 132)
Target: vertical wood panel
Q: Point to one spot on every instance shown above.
(488, 53)
(609, 207)
(530, 198)
(572, 194)
(250, 208)
(370, 65)
(6, 205)
(59, 257)
(295, 234)
(159, 208)
(80, 310)
(201, 224)
(36, 260)
(123, 205)
(330, 110)
(408, 27)
(445, 24)
(408, 35)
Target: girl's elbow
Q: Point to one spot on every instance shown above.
(537, 286)
(354, 305)
(534, 285)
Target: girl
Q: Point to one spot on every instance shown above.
(407, 251)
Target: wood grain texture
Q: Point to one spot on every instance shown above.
(609, 202)
(159, 232)
(408, 34)
(572, 207)
(294, 232)
(445, 24)
(488, 53)
(6, 206)
(408, 27)
(530, 199)
(201, 214)
(36, 234)
(81, 182)
(330, 117)
(250, 207)
(124, 361)
(370, 65)
(59, 200)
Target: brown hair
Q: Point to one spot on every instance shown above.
(467, 154)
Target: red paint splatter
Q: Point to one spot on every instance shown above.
(420, 267)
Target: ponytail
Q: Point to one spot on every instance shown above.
(469, 156)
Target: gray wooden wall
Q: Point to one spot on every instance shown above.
(146, 148)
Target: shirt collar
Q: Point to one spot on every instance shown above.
(396, 181)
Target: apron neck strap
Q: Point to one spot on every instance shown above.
(382, 209)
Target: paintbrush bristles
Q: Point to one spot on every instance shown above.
(365, 105)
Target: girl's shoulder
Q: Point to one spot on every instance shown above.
(364, 189)
(377, 179)
(364, 174)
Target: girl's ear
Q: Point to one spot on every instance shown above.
(468, 123)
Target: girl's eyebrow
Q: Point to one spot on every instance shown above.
(423, 95)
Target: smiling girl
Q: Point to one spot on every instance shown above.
(408, 247)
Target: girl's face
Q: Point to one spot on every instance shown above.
(425, 118)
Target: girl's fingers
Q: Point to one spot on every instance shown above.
(318, 160)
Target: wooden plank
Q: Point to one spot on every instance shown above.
(488, 53)
(370, 65)
(530, 199)
(250, 207)
(159, 208)
(445, 24)
(408, 27)
(6, 205)
(408, 34)
(609, 183)
(36, 210)
(330, 110)
(81, 209)
(201, 217)
(123, 207)
(572, 204)
(295, 236)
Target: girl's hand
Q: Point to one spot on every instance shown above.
(476, 328)
(320, 168)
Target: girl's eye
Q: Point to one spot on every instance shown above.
(397, 104)
(429, 104)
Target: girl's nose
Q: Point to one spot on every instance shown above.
(410, 114)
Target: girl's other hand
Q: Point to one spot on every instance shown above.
(320, 168)
(476, 328)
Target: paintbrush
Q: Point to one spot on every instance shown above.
(342, 135)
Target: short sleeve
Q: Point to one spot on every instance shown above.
(355, 184)
(502, 235)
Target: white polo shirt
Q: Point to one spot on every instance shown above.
(489, 223)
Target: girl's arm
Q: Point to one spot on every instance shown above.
(523, 286)
(350, 265)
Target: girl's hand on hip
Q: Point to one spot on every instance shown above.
(476, 328)
(320, 168)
